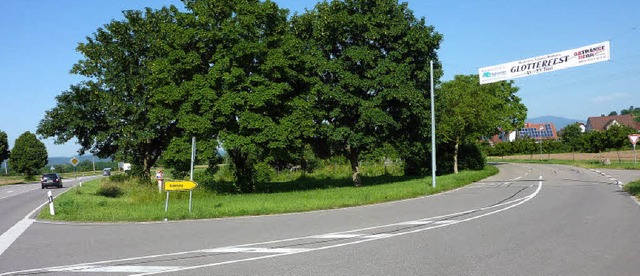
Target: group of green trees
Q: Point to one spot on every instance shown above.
(572, 139)
(28, 155)
(346, 78)
(635, 111)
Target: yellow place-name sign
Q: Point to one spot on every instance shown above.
(180, 185)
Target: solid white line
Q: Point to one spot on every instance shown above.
(7, 238)
(529, 197)
(289, 251)
(113, 269)
(10, 236)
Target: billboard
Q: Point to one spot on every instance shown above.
(570, 58)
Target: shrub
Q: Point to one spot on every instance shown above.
(110, 190)
(264, 172)
(119, 177)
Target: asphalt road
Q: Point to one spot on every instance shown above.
(527, 220)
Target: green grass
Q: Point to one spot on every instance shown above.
(10, 180)
(324, 190)
(633, 188)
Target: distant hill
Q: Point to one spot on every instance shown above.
(559, 122)
(67, 160)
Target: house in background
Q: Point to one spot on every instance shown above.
(603, 123)
(502, 137)
(539, 132)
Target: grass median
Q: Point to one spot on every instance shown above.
(145, 203)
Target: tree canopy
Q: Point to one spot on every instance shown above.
(28, 155)
(120, 110)
(346, 78)
(372, 62)
(469, 111)
(4, 147)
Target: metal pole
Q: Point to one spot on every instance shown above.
(540, 142)
(193, 155)
(433, 132)
(193, 159)
(166, 203)
(635, 160)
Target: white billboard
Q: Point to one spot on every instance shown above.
(570, 58)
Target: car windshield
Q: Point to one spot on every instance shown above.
(49, 176)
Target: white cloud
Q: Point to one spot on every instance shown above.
(610, 97)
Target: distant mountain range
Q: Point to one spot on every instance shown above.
(67, 160)
(558, 122)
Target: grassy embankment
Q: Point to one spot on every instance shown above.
(327, 189)
(633, 188)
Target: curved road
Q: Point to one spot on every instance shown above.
(527, 220)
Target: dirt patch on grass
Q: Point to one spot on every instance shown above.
(10, 181)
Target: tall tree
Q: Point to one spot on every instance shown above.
(635, 111)
(122, 110)
(617, 138)
(372, 61)
(572, 136)
(256, 70)
(4, 147)
(28, 155)
(468, 111)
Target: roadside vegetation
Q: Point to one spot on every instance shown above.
(633, 188)
(120, 198)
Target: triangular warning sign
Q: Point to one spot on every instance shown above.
(634, 138)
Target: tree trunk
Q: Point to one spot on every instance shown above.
(455, 156)
(353, 156)
(243, 171)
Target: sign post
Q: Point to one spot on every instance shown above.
(186, 185)
(160, 179)
(634, 139)
(74, 161)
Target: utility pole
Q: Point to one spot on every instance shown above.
(433, 132)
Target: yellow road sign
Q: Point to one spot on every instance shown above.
(74, 161)
(180, 185)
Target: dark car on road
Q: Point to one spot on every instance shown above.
(51, 179)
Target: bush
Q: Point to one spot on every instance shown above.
(110, 190)
(264, 172)
(633, 188)
(119, 177)
(470, 157)
(210, 182)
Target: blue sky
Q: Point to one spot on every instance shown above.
(38, 41)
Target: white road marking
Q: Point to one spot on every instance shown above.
(121, 269)
(256, 250)
(337, 236)
(416, 222)
(352, 239)
(7, 238)
(445, 222)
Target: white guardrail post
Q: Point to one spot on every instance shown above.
(51, 210)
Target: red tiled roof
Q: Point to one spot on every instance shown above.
(603, 122)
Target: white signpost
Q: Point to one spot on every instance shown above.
(634, 139)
